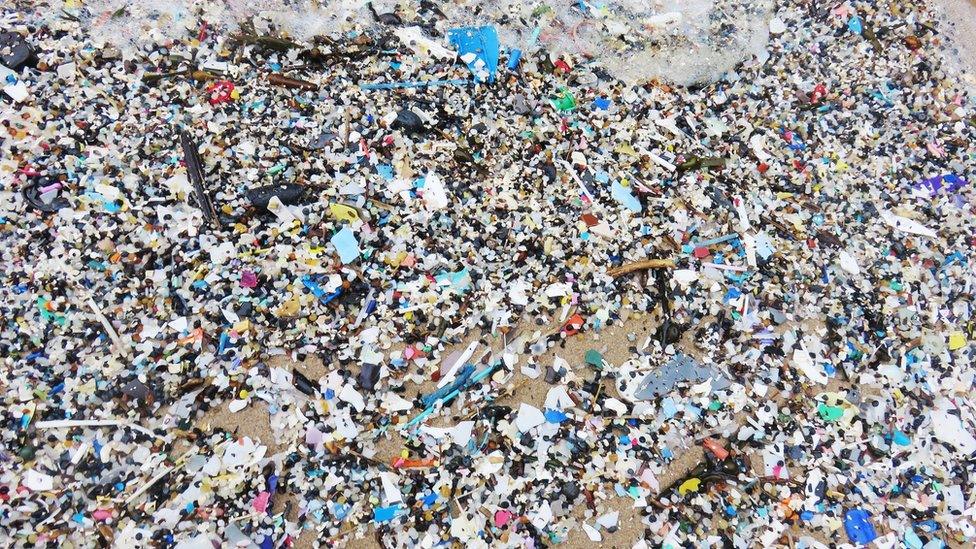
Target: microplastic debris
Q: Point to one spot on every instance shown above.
(690, 273)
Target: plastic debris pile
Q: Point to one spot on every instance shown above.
(482, 291)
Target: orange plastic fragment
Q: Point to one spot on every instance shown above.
(401, 463)
(714, 447)
(573, 325)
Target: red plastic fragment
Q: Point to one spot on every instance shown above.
(220, 91)
(573, 325)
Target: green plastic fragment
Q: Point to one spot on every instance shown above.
(830, 413)
(594, 358)
(565, 102)
(48, 315)
(27, 452)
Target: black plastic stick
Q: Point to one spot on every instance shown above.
(194, 168)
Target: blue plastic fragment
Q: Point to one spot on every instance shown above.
(513, 59)
(385, 171)
(625, 197)
(346, 244)
(383, 514)
(668, 408)
(340, 511)
(318, 291)
(933, 185)
(555, 416)
(482, 44)
(222, 346)
(679, 369)
(447, 394)
(714, 241)
(912, 541)
(901, 438)
(462, 378)
(858, 527)
(458, 280)
(414, 84)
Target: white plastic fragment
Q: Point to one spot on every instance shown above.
(591, 532)
(609, 520)
(529, 417)
(435, 195)
(906, 225)
(949, 428)
(38, 481)
(17, 91)
(413, 37)
(804, 362)
(391, 492)
(848, 263)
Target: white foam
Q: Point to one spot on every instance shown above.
(682, 41)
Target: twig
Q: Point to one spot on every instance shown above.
(71, 423)
(280, 80)
(641, 266)
(69, 17)
(166, 470)
(270, 42)
(157, 76)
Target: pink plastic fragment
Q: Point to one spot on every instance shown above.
(502, 518)
(260, 503)
(249, 279)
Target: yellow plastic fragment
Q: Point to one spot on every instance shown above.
(690, 485)
(957, 340)
(626, 148)
(343, 212)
